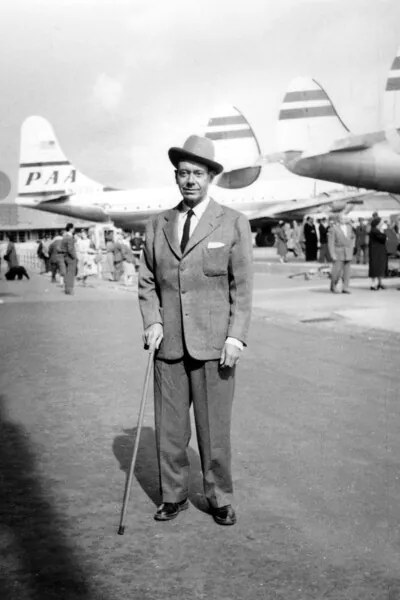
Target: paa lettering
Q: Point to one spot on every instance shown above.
(52, 179)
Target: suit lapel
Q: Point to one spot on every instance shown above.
(208, 222)
(171, 231)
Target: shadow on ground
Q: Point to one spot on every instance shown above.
(146, 468)
(37, 561)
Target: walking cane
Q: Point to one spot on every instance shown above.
(128, 485)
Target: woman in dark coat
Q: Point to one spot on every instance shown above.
(311, 239)
(378, 260)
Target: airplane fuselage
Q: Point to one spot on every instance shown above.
(131, 209)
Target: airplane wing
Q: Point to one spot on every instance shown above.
(297, 209)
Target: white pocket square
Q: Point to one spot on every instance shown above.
(215, 245)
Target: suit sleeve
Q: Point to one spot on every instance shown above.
(149, 300)
(331, 243)
(240, 280)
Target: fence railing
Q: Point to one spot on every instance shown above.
(30, 260)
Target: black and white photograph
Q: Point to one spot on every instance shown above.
(199, 300)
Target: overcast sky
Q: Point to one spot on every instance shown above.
(123, 80)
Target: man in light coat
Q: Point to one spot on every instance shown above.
(195, 287)
(341, 239)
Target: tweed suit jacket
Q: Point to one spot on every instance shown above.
(203, 295)
(341, 246)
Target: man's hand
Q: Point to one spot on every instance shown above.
(152, 336)
(230, 355)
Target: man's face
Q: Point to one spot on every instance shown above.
(193, 180)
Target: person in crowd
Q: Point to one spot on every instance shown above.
(108, 271)
(86, 257)
(89, 260)
(290, 239)
(118, 256)
(310, 239)
(341, 240)
(195, 283)
(82, 243)
(361, 232)
(281, 241)
(137, 245)
(378, 257)
(323, 241)
(296, 235)
(45, 249)
(56, 259)
(392, 239)
(69, 252)
(10, 256)
(128, 269)
(43, 253)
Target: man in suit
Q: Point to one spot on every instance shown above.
(68, 250)
(323, 241)
(341, 240)
(195, 286)
(361, 233)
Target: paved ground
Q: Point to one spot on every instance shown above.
(316, 451)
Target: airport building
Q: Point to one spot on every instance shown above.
(27, 224)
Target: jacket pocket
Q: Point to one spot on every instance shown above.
(215, 261)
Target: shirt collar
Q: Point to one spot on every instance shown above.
(199, 209)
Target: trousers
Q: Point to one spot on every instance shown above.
(177, 385)
(341, 269)
(69, 277)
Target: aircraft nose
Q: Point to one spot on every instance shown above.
(5, 185)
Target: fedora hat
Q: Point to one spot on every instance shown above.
(198, 149)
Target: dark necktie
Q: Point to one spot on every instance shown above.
(186, 230)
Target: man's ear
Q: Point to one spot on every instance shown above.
(176, 175)
(212, 175)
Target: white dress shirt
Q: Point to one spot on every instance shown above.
(199, 210)
(194, 221)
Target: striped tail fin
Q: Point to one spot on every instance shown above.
(236, 148)
(44, 170)
(391, 105)
(308, 121)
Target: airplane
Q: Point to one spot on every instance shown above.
(48, 181)
(313, 140)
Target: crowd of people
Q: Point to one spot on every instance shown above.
(71, 255)
(369, 241)
(74, 255)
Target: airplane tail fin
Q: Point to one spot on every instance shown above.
(44, 171)
(236, 148)
(391, 105)
(308, 121)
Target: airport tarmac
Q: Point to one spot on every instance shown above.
(314, 439)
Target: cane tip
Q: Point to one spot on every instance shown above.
(121, 530)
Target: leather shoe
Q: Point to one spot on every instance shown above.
(224, 515)
(170, 510)
(346, 292)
